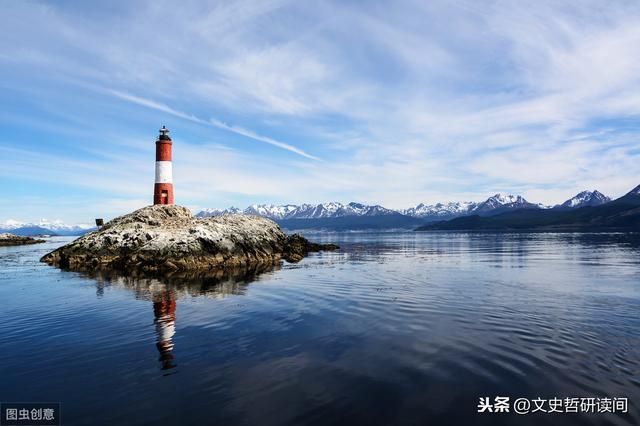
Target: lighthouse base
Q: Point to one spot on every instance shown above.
(168, 240)
(163, 193)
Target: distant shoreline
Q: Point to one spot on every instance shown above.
(16, 240)
(529, 231)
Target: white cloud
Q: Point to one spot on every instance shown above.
(253, 135)
(155, 105)
(425, 101)
(217, 123)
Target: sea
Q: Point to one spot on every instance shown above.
(394, 328)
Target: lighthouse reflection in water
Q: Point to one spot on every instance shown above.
(164, 291)
(164, 311)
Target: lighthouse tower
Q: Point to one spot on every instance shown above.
(163, 189)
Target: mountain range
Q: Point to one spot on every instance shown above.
(44, 227)
(585, 212)
(331, 215)
(351, 216)
(334, 215)
(304, 211)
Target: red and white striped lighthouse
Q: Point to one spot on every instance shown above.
(163, 189)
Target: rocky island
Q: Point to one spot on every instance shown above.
(17, 240)
(168, 238)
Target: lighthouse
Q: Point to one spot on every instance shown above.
(163, 189)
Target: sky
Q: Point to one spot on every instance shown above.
(391, 103)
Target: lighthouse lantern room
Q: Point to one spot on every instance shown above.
(163, 189)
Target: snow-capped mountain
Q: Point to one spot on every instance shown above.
(440, 210)
(323, 214)
(502, 202)
(328, 210)
(218, 212)
(426, 212)
(303, 211)
(585, 198)
(621, 214)
(495, 204)
(44, 226)
(270, 210)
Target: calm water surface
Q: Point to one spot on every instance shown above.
(395, 328)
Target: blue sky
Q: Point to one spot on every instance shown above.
(289, 102)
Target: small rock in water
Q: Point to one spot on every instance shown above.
(16, 240)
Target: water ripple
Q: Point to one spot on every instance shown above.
(395, 328)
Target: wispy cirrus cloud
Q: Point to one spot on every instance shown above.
(217, 123)
(154, 105)
(253, 135)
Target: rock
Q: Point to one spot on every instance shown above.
(165, 238)
(16, 240)
(298, 247)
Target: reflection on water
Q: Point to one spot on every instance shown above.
(164, 311)
(395, 328)
(163, 290)
(208, 283)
